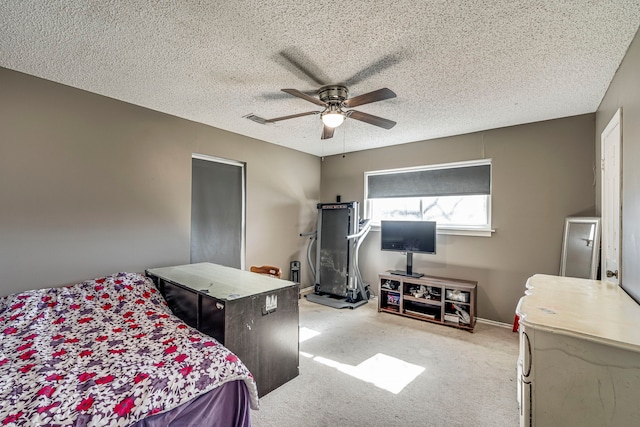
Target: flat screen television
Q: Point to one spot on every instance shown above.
(410, 237)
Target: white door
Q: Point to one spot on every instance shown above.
(611, 206)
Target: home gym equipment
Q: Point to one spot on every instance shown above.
(338, 236)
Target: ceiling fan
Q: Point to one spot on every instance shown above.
(336, 103)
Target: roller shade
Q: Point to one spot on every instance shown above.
(457, 181)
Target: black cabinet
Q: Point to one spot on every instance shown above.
(254, 316)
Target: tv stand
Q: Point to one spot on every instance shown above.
(441, 300)
(406, 274)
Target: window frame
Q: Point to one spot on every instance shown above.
(465, 230)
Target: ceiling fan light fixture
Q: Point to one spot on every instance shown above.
(333, 118)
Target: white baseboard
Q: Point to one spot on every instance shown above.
(494, 323)
(307, 290)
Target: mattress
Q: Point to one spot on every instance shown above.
(108, 351)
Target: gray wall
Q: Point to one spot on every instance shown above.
(624, 92)
(92, 186)
(542, 172)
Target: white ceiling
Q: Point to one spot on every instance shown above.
(457, 66)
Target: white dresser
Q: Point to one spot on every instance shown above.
(579, 362)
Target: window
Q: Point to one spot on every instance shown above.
(456, 195)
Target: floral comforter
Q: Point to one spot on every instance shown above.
(104, 352)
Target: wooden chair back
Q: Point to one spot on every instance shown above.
(268, 270)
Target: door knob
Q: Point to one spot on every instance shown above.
(612, 273)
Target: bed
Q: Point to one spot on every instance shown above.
(108, 351)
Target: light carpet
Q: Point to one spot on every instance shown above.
(364, 368)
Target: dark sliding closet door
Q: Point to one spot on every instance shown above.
(217, 212)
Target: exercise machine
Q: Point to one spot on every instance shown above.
(338, 236)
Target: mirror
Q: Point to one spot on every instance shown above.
(580, 247)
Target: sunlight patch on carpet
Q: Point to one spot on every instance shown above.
(306, 333)
(385, 372)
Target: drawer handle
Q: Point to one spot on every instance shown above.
(527, 356)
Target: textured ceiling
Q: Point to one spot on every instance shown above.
(457, 66)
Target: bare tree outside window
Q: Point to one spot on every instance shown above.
(454, 211)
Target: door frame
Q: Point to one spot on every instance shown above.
(614, 123)
(243, 173)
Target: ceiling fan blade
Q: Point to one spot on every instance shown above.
(375, 96)
(373, 69)
(327, 132)
(371, 119)
(292, 116)
(296, 92)
(302, 65)
(277, 96)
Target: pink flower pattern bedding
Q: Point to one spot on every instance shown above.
(104, 352)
